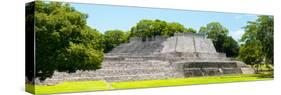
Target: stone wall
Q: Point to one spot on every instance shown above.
(136, 45)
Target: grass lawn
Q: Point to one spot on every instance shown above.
(79, 86)
(70, 87)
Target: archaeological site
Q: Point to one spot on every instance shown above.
(182, 55)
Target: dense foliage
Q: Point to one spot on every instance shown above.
(63, 40)
(113, 38)
(257, 41)
(265, 35)
(150, 28)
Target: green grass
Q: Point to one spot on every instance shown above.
(187, 81)
(72, 87)
(79, 86)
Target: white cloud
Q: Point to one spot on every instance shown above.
(237, 34)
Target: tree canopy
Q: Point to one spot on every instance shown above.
(63, 40)
(257, 41)
(265, 35)
(113, 38)
(150, 28)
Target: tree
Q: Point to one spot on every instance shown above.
(173, 28)
(258, 41)
(250, 50)
(150, 28)
(230, 47)
(190, 30)
(63, 40)
(219, 36)
(250, 53)
(113, 38)
(265, 30)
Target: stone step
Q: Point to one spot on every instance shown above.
(115, 78)
(191, 72)
(211, 65)
(132, 64)
(134, 77)
(137, 68)
(143, 58)
(112, 72)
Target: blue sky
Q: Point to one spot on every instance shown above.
(106, 17)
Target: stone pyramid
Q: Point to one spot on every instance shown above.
(179, 56)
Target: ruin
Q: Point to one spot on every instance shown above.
(182, 55)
